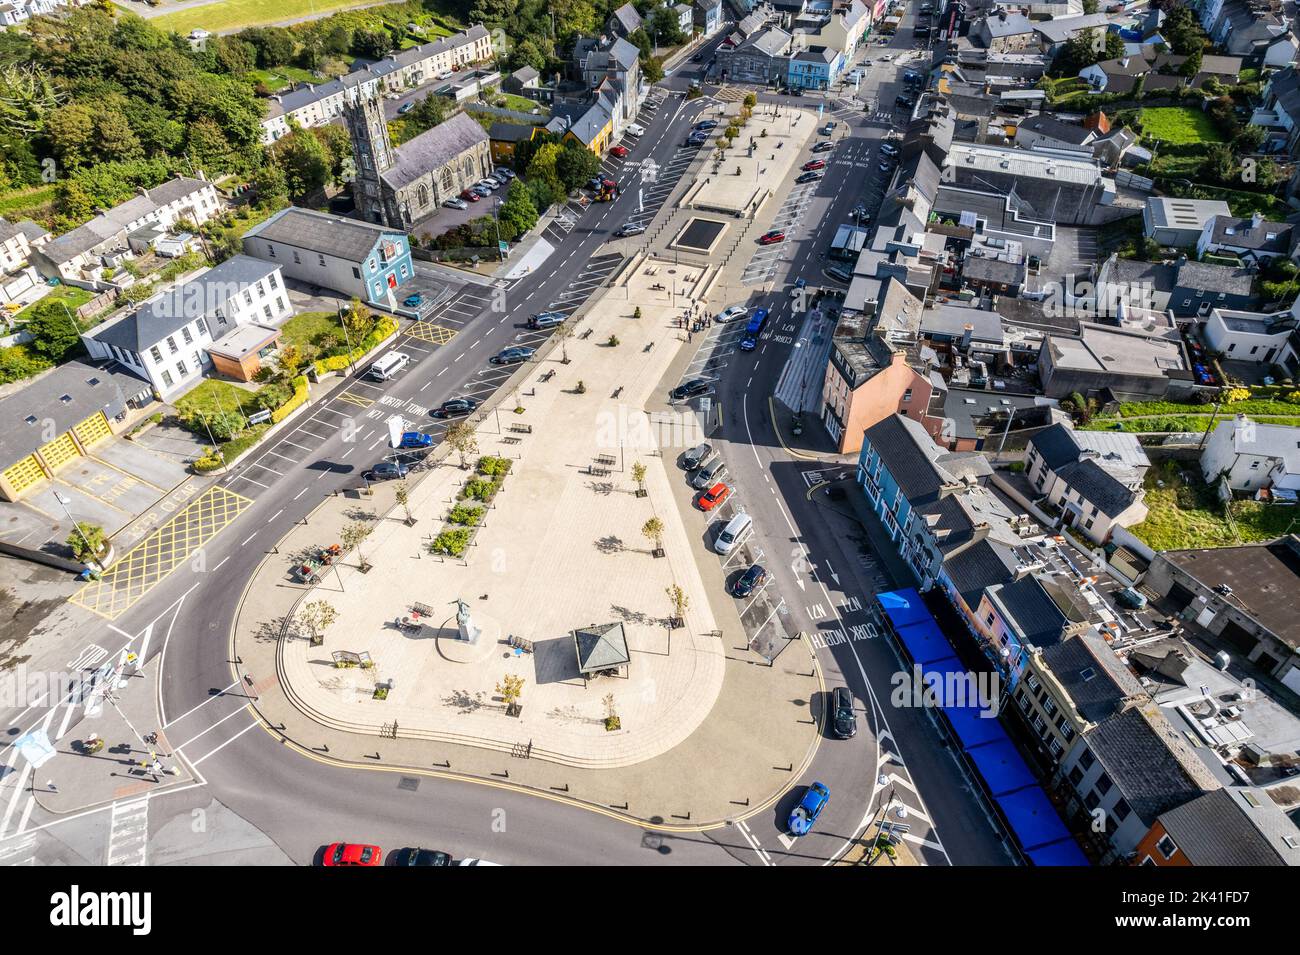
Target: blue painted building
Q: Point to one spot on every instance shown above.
(815, 68)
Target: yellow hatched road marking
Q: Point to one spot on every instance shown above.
(146, 565)
(431, 333)
(360, 400)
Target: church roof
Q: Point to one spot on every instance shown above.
(433, 149)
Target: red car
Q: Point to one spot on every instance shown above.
(351, 853)
(769, 238)
(714, 496)
(812, 164)
(470, 196)
(619, 151)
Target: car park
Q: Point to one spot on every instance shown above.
(546, 320)
(844, 723)
(714, 496)
(771, 237)
(455, 408)
(807, 177)
(420, 857)
(692, 458)
(730, 314)
(691, 389)
(812, 164)
(388, 471)
(751, 580)
(710, 472)
(804, 816)
(413, 301)
(455, 202)
(512, 356)
(351, 853)
(416, 439)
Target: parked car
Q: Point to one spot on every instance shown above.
(491, 185)
(455, 202)
(824, 146)
(455, 408)
(712, 470)
(508, 173)
(635, 129)
(705, 125)
(804, 815)
(691, 389)
(619, 151)
(512, 356)
(888, 149)
(750, 581)
(714, 496)
(1131, 598)
(730, 313)
(388, 471)
(692, 458)
(904, 101)
(828, 128)
(696, 139)
(812, 164)
(843, 721)
(807, 177)
(469, 195)
(630, 228)
(405, 108)
(413, 301)
(416, 439)
(771, 237)
(481, 191)
(421, 857)
(351, 853)
(546, 320)
(594, 183)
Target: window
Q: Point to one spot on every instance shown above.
(156, 354)
(356, 272)
(1166, 846)
(1231, 346)
(266, 310)
(261, 290)
(279, 304)
(1076, 776)
(298, 261)
(198, 362)
(1187, 303)
(274, 283)
(180, 369)
(907, 395)
(1055, 747)
(371, 265)
(1254, 465)
(1049, 705)
(221, 319)
(201, 325)
(1092, 800)
(1120, 810)
(1088, 524)
(248, 297)
(1104, 784)
(1086, 760)
(167, 379)
(988, 621)
(403, 270)
(171, 343)
(321, 257)
(185, 333)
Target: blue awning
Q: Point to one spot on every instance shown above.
(1066, 852)
(924, 642)
(1032, 817)
(972, 729)
(1001, 766)
(903, 607)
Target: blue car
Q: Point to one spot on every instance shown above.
(416, 439)
(411, 301)
(810, 807)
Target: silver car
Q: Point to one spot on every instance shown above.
(712, 472)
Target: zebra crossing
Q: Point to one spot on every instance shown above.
(128, 834)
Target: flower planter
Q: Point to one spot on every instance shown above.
(676, 623)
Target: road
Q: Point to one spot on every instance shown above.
(247, 771)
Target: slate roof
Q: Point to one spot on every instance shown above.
(433, 149)
(1244, 235)
(112, 223)
(1052, 127)
(348, 239)
(510, 133)
(600, 646)
(985, 563)
(904, 455)
(1221, 828)
(983, 268)
(627, 17)
(1136, 748)
(1092, 687)
(1265, 581)
(1056, 446)
(88, 388)
(1010, 25)
(1097, 486)
(167, 313)
(1034, 612)
(1214, 278)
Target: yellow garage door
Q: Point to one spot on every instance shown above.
(19, 477)
(93, 430)
(59, 452)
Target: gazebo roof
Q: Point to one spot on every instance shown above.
(600, 646)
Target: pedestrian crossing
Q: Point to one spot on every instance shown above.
(128, 834)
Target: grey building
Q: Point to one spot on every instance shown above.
(1200, 287)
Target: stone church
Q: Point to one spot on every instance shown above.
(401, 187)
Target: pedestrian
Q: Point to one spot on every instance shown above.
(51, 787)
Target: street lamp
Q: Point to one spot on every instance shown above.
(77, 527)
(496, 221)
(347, 340)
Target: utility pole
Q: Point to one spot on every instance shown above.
(1209, 427)
(352, 365)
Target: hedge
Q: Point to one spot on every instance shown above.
(384, 328)
(299, 396)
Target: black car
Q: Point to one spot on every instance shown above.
(843, 722)
(749, 581)
(905, 101)
(388, 471)
(417, 856)
(511, 356)
(689, 389)
(705, 125)
(455, 408)
(807, 177)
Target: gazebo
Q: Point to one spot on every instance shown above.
(601, 648)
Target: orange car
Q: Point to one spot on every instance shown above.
(351, 853)
(714, 496)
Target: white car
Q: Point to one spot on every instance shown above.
(887, 58)
(635, 130)
(490, 184)
(731, 313)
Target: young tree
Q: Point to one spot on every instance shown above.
(353, 535)
(679, 601)
(402, 494)
(511, 688)
(518, 209)
(316, 617)
(653, 529)
(88, 542)
(638, 475)
(461, 439)
(562, 334)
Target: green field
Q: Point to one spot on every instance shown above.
(283, 77)
(212, 396)
(1186, 513)
(1178, 124)
(235, 14)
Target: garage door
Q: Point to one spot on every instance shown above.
(59, 452)
(1180, 596)
(19, 477)
(93, 430)
(1239, 637)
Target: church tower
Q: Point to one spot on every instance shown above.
(372, 152)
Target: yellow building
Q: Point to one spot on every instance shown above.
(505, 137)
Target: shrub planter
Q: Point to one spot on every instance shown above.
(381, 693)
(514, 709)
(642, 492)
(676, 623)
(613, 724)
(658, 552)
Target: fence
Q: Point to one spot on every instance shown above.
(1134, 181)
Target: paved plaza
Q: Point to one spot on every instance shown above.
(764, 154)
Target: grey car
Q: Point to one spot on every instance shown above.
(692, 458)
(713, 471)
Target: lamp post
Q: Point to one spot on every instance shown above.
(80, 533)
(347, 340)
(496, 222)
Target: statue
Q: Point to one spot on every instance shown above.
(468, 632)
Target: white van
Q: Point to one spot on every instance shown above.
(388, 366)
(737, 529)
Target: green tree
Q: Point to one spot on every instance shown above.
(371, 44)
(88, 542)
(518, 209)
(652, 68)
(666, 27)
(70, 130)
(574, 165)
(54, 331)
(306, 163)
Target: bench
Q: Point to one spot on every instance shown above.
(598, 472)
(522, 428)
(605, 459)
(547, 376)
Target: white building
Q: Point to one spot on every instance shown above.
(1180, 222)
(166, 339)
(1253, 336)
(1094, 478)
(1250, 455)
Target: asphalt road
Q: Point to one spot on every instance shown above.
(299, 804)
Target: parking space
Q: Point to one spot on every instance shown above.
(659, 183)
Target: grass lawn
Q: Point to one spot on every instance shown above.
(212, 396)
(306, 331)
(1178, 124)
(234, 14)
(1187, 513)
(282, 77)
(70, 295)
(521, 104)
(26, 203)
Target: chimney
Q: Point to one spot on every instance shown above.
(1256, 219)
